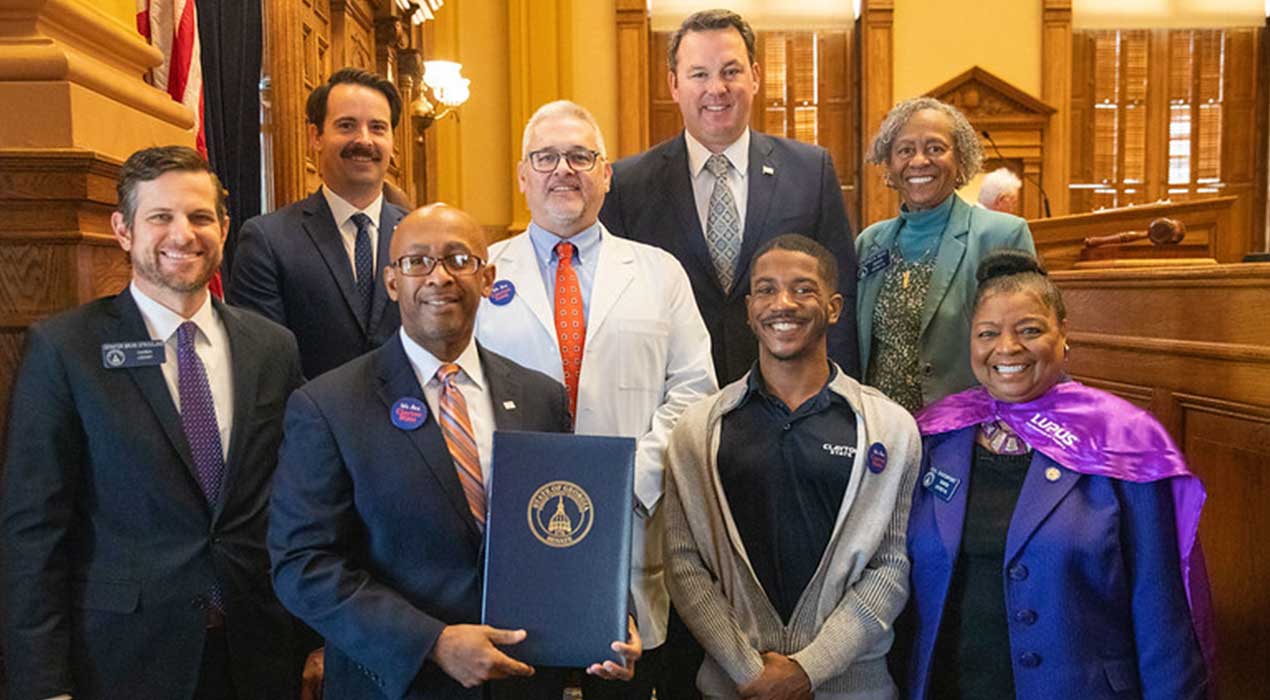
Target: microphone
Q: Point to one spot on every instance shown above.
(1045, 198)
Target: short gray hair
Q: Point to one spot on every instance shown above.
(966, 144)
(562, 108)
(996, 183)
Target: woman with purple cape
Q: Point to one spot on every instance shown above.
(1053, 528)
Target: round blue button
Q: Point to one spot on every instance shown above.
(408, 413)
(877, 458)
(502, 293)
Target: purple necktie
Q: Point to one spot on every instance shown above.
(198, 418)
(198, 414)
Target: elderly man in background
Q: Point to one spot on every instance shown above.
(615, 321)
(999, 191)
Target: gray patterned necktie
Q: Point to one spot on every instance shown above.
(364, 265)
(723, 223)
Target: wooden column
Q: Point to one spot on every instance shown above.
(1056, 91)
(633, 101)
(539, 36)
(288, 32)
(877, 18)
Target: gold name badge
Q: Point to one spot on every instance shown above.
(560, 514)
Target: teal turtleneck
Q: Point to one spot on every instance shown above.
(920, 230)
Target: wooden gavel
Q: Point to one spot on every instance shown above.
(1162, 231)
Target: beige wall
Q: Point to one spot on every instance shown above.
(123, 10)
(936, 40)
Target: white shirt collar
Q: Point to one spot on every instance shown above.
(162, 322)
(342, 210)
(425, 364)
(738, 154)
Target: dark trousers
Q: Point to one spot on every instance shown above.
(683, 657)
(548, 683)
(214, 680)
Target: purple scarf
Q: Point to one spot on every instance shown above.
(1093, 432)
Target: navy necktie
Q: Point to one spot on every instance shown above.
(364, 264)
(198, 414)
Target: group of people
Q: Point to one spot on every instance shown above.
(861, 469)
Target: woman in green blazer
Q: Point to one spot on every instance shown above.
(917, 271)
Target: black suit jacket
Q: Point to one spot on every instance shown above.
(110, 548)
(372, 541)
(792, 189)
(292, 267)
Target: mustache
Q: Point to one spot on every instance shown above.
(782, 316)
(355, 150)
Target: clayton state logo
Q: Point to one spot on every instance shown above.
(115, 357)
(560, 514)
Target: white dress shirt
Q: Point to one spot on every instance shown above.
(343, 213)
(211, 344)
(471, 383)
(738, 154)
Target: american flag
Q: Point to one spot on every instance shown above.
(171, 26)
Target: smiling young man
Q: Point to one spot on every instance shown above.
(141, 447)
(314, 266)
(802, 546)
(714, 194)
(615, 322)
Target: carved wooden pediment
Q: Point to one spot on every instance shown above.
(978, 93)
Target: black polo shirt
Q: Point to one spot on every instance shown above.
(784, 473)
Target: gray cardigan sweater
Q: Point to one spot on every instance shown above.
(840, 630)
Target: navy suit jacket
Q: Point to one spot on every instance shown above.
(292, 267)
(372, 541)
(110, 548)
(1093, 584)
(792, 189)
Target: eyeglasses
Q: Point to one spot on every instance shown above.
(580, 160)
(423, 265)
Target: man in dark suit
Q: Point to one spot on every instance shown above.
(142, 439)
(717, 192)
(379, 502)
(312, 266)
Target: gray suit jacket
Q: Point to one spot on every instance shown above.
(971, 234)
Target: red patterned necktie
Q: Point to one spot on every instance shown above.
(570, 322)
(456, 427)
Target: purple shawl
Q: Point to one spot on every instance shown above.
(1094, 432)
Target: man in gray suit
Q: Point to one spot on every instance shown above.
(314, 266)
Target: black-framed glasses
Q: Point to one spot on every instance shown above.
(580, 160)
(423, 265)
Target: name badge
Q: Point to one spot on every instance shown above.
(940, 483)
(142, 353)
(874, 263)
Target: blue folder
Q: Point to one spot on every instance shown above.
(558, 544)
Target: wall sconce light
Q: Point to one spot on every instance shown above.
(442, 90)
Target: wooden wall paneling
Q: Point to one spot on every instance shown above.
(1081, 151)
(1057, 90)
(633, 86)
(352, 34)
(665, 120)
(294, 50)
(837, 88)
(1157, 159)
(1243, 150)
(1193, 346)
(877, 21)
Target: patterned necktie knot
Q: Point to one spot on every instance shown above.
(564, 252)
(362, 221)
(718, 165)
(185, 334)
(446, 372)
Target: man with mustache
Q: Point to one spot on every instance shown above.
(611, 319)
(141, 445)
(314, 266)
(787, 499)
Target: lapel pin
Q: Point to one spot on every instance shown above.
(769, 170)
(408, 413)
(509, 405)
(1053, 474)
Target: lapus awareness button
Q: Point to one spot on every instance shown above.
(877, 458)
(408, 413)
(502, 293)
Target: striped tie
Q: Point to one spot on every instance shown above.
(457, 429)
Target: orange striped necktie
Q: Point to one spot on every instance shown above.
(456, 427)
(570, 322)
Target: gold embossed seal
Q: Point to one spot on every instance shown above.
(560, 514)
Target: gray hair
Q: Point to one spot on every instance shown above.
(562, 108)
(965, 140)
(996, 183)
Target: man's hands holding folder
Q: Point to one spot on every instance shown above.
(467, 653)
(630, 650)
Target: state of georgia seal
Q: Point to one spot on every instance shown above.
(560, 514)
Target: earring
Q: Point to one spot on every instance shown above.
(1067, 348)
